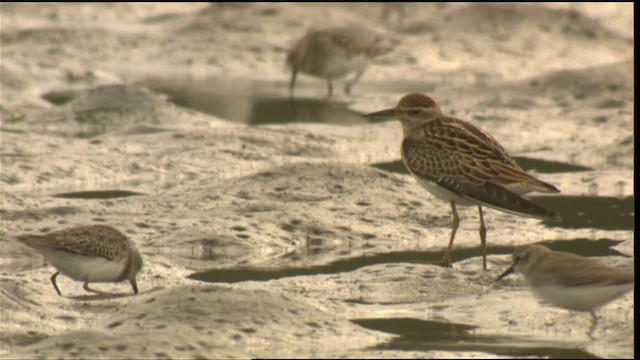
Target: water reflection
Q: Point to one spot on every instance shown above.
(580, 212)
(100, 195)
(278, 111)
(252, 102)
(423, 335)
(584, 247)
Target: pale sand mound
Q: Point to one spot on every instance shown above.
(205, 322)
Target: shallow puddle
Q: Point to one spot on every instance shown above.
(584, 247)
(97, 195)
(423, 335)
(253, 102)
(592, 212)
(60, 97)
(548, 166)
(256, 102)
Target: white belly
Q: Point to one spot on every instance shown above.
(338, 66)
(443, 194)
(84, 268)
(581, 298)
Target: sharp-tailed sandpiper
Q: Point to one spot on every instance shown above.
(462, 164)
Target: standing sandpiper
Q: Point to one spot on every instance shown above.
(569, 281)
(333, 53)
(461, 164)
(93, 253)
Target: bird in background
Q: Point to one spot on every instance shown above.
(333, 53)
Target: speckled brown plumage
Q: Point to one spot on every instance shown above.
(470, 162)
(92, 240)
(93, 253)
(462, 164)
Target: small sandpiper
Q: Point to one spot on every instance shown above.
(333, 53)
(569, 281)
(461, 164)
(93, 253)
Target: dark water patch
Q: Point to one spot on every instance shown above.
(585, 247)
(395, 166)
(278, 111)
(100, 195)
(580, 212)
(528, 164)
(578, 246)
(90, 134)
(548, 166)
(611, 104)
(257, 274)
(256, 102)
(423, 335)
(144, 130)
(252, 102)
(60, 97)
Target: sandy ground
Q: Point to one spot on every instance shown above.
(551, 82)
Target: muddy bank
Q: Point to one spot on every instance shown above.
(314, 249)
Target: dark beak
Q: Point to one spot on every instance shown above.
(389, 113)
(506, 272)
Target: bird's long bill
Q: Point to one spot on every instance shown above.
(383, 113)
(506, 272)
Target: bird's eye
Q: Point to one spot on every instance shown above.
(415, 112)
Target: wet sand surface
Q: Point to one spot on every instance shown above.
(272, 228)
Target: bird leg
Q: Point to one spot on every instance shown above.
(350, 83)
(594, 323)
(87, 288)
(483, 239)
(134, 285)
(292, 83)
(53, 281)
(446, 260)
(329, 88)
